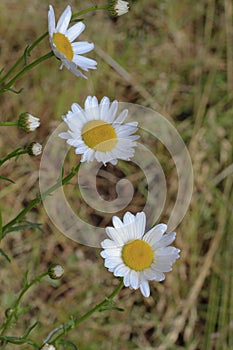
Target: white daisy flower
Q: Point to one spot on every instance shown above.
(96, 133)
(118, 7)
(137, 256)
(61, 39)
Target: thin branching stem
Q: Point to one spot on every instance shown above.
(71, 324)
(14, 308)
(94, 8)
(27, 52)
(16, 153)
(38, 199)
(25, 70)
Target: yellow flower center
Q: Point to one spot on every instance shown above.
(138, 255)
(99, 135)
(63, 45)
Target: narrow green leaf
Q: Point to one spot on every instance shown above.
(15, 91)
(69, 343)
(25, 226)
(6, 179)
(25, 283)
(28, 331)
(0, 225)
(25, 54)
(111, 307)
(5, 255)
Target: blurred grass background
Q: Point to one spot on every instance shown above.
(172, 56)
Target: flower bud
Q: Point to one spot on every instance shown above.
(48, 347)
(28, 122)
(55, 271)
(34, 149)
(118, 7)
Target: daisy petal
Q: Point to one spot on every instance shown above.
(140, 223)
(108, 243)
(84, 62)
(145, 289)
(127, 279)
(112, 111)
(71, 66)
(155, 234)
(165, 240)
(104, 108)
(64, 135)
(75, 31)
(114, 235)
(82, 47)
(134, 279)
(117, 222)
(113, 252)
(122, 116)
(121, 270)
(76, 108)
(129, 221)
(112, 262)
(51, 21)
(64, 20)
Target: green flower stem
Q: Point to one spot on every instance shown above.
(94, 8)
(12, 69)
(100, 305)
(14, 308)
(17, 152)
(69, 325)
(8, 123)
(38, 199)
(25, 70)
(27, 52)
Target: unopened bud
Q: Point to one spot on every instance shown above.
(55, 271)
(48, 347)
(28, 122)
(34, 149)
(118, 7)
